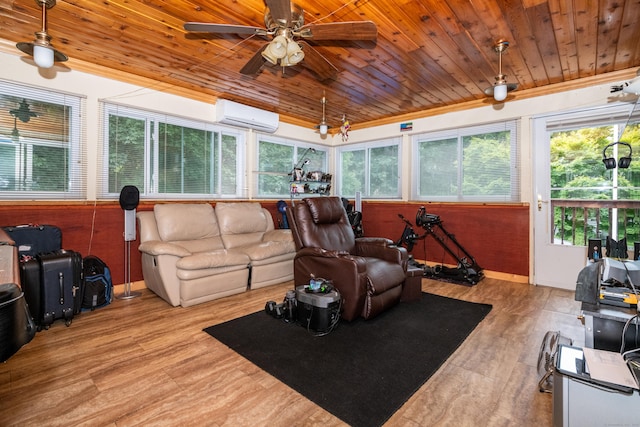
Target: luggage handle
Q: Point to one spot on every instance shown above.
(61, 282)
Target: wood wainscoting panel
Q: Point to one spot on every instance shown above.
(496, 235)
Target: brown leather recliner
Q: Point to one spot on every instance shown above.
(368, 271)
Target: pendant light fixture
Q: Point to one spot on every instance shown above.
(500, 88)
(43, 53)
(323, 127)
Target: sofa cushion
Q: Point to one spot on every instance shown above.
(191, 221)
(267, 250)
(213, 259)
(242, 223)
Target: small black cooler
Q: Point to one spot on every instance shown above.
(317, 311)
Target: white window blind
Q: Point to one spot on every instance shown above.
(372, 168)
(276, 159)
(42, 144)
(477, 163)
(168, 156)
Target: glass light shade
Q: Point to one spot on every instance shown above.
(43, 56)
(294, 53)
(324, 128)
(270, 58)
(278, 47)
(500, 92)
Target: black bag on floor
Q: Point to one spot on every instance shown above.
(98, 286)
(16, 325)
(32, 240)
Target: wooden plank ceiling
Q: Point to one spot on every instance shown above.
(428, 54)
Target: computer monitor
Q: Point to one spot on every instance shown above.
(623, 272)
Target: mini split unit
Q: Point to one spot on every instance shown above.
(235, 114)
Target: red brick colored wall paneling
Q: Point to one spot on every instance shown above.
(86, 229)
(497, 236)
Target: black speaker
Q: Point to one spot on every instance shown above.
(129, 197)
(610, 162)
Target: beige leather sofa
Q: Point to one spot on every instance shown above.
(192, 253)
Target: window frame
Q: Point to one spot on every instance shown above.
(300, 149)
(367, 147)
(153, 122)
(75, 143)
(513, 126)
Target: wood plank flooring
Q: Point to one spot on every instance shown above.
(141, 362)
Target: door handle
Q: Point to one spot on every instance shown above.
(540, 202)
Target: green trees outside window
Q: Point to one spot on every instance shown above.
(590, 199)
(168, 156)
(276, 160)
(372, 169)
(472, 164)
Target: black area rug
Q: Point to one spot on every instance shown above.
(363, 371)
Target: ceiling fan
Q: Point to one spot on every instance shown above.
(284, 24)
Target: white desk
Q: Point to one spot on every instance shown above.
(578, 404)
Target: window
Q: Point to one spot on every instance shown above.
(169, 157)
(277, 159)
(41, 153)
(471, 164)
(577, 147)
(588, 200)
(371, 168)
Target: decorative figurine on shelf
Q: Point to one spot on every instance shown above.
(344, 128)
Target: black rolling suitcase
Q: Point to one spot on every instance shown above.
(53, 286)
(30, 282)
(32, 240)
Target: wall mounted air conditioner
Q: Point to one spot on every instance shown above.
(235, 114)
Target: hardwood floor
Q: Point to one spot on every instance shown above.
(142, 362)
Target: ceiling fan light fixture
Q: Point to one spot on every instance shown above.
(278, 47)
(43, 53)
(294, 53)
(500, 88)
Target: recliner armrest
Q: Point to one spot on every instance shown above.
(382, 248)
(324, 253)
(157, 247)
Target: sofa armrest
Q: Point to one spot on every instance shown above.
(278, 235)
(157, 247)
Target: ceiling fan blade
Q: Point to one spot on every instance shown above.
(280, 10)
(254, 64)
(203, 27)
(351, 30)
(314, 61)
